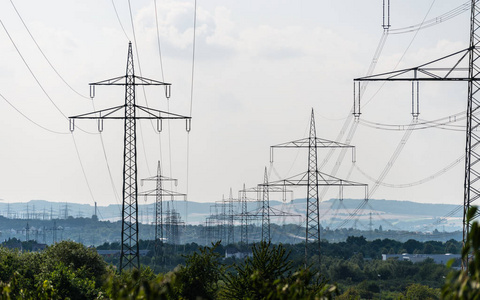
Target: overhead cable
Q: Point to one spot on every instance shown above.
(35, 77)
(435, 21)
(43, 54)
(415, 183)
(119, 21)
(83, 169)
(30, 120)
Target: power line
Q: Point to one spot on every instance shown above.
(31, 72)
(403, 55)
(422, 125)
(191, 99)
(435, 21)
(418, 182)
(44, 56)
(83, 169)
(30, 120)
(119, 21)
(158, 39)
(35, 77)
(117, 198)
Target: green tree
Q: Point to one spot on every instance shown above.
(465, 284)
(417, 291)
(86, 262)
(200, 275)
(64, 283)
(141, 284)
(268, 275)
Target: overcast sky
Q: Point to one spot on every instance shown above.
(260, 67)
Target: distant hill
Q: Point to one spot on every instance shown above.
(406, 215)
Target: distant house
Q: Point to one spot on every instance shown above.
(238, 255)
(441, 259)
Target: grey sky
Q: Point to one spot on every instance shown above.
(260, 67)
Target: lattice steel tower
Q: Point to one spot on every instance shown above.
(265, 211)
(472, 155)
(449, 69)
(244, 217)
(313, 218)
(312, 179)
(129, 257)
(159, 193)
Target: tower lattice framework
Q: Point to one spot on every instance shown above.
(160, 193)
(265, 210)
(463, 65)
(312, 179)
(129, 255)
(244, 217)
(472, 155)
(313, 216)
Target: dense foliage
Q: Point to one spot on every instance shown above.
(465, 284)
(69, 270)
(66, 270)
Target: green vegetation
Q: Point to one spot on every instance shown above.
(349, 270)
(465, 284)
(65, 270)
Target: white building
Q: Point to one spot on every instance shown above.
(437, 258)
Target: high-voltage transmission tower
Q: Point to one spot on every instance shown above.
(159, 193)
(265, 212)
(450, 68)
(312, 179)
(230, 218)
(129, 256)
(243, 216)
(216, 223)
(173, 222)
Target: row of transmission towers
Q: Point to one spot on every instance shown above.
(31, 213)
(219, 224)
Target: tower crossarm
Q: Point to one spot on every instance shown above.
(101, 114)
(280, 213)
(323, 180)
(138, 81)
(154, 192)
(430, 71)
(307, 143)
(321, 143)
(161, 177)
(141, 113)
(150, 113)
(257, 189)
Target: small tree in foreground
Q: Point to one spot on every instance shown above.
(465, 284)
(268, 275)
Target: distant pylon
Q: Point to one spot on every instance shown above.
(244, 217)
(158, 212)
(129, 256)
(231, 215)
(312, 179)
(265, 209)
(159, 192)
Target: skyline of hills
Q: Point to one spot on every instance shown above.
(390, 214)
